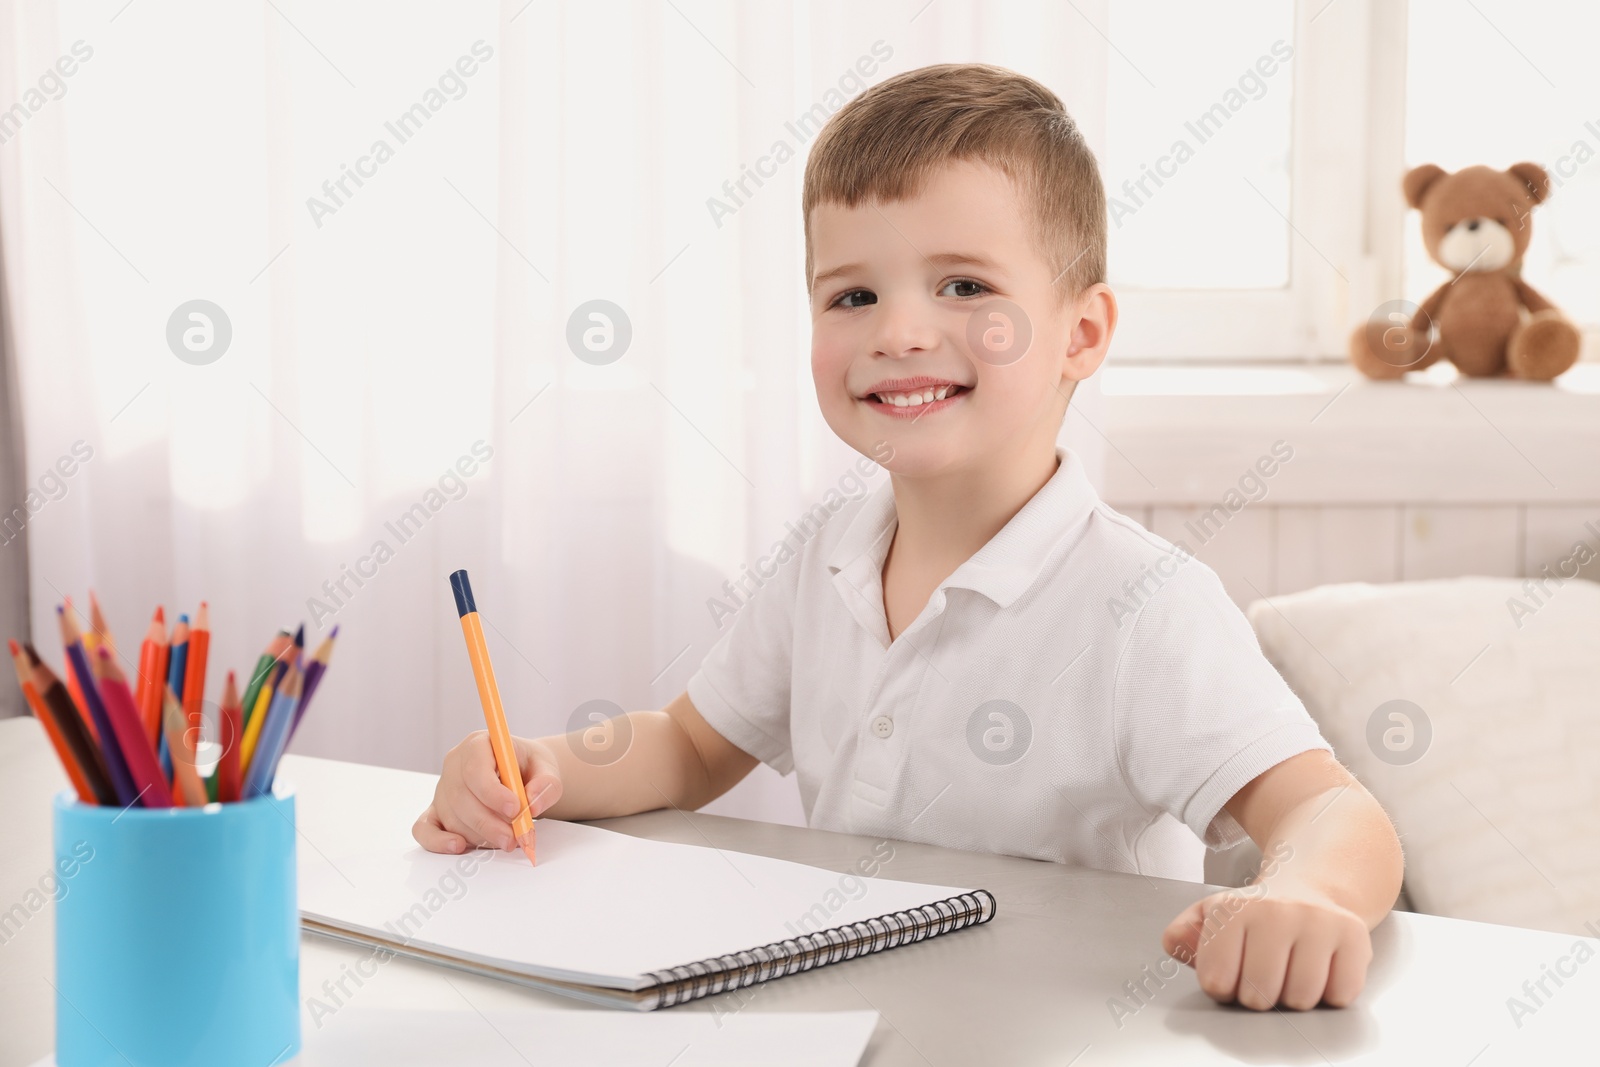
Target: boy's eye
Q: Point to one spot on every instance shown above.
(978, 286)
(973, 288)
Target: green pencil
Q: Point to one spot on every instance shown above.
(258, 677)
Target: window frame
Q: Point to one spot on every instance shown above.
(1345, 216)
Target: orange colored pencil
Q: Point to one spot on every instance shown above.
(494, 712)
(194, 674)
(30, 692)
(152, 674)
(98, 633)
(74, 690)
(140, 755)
(232, 729)
(190, 791)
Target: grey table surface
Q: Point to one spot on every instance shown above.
(1045, 982)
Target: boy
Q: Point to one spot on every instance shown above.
(988, 657)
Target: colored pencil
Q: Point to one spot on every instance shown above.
(274, 735)
(177, 668)
(266, 695)
(98, 634)
(178, 656)
(494, 713)
(54, 696)
(74, 689)
(314, 671)
(275, 649)
(190, 791)
(228, 768)
(78, 661)
(128, 728)
(258, 719)
(194, 675)
(152, 675)
(58, 741)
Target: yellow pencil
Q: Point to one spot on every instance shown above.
(258, 718)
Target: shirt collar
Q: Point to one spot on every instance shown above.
(1008, 564)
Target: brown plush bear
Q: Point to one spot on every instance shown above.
(1476, 224)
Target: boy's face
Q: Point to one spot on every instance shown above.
(906, 307)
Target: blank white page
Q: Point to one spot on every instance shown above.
(600, 907)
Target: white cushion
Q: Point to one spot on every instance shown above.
(1500, 814)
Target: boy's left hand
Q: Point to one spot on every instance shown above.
(1271, 944)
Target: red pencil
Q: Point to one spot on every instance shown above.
(152, 674)
(194, 674)
(143, 767)
(228, 775)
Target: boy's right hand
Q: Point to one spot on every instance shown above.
(472, 808)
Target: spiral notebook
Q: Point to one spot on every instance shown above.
(621, 920)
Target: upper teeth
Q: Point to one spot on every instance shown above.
(914, 399)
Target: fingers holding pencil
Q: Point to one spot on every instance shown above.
(472, 807)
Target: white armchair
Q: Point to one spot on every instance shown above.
(1470, 707)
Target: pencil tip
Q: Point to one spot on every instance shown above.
(183, 618)
(160, 615)
(300, 636)
(333, 632)
(16, 649)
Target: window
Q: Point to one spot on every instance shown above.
(1270, 232)
(1197, 152)
(1532, 95)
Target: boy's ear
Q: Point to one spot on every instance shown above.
(1095, 310)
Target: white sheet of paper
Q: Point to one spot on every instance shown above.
(600, 907)
(386, 1037)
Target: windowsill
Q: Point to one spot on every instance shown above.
(1186, 434)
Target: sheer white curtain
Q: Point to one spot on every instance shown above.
(398, 209)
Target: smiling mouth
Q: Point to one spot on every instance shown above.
(915, 399)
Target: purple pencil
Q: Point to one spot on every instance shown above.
(314, 671)
(78, 662)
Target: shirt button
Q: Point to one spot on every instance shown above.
(882, 726)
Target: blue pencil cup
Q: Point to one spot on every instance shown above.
(177, 935)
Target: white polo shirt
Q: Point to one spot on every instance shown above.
(1079, 690)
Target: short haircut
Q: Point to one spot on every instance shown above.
(883, 145)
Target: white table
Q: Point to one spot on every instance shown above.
(1033, 986)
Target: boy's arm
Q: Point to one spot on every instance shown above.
(1331, 870)
(669, 758)
(674, 759)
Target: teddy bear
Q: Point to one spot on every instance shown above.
(1485, 319)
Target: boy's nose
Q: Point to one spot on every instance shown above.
(903, 331)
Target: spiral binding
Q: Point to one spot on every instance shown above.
(790, 956)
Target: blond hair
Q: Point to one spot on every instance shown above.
(883, 145)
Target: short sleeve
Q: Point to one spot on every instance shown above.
(742, 687)
(1199, 711)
